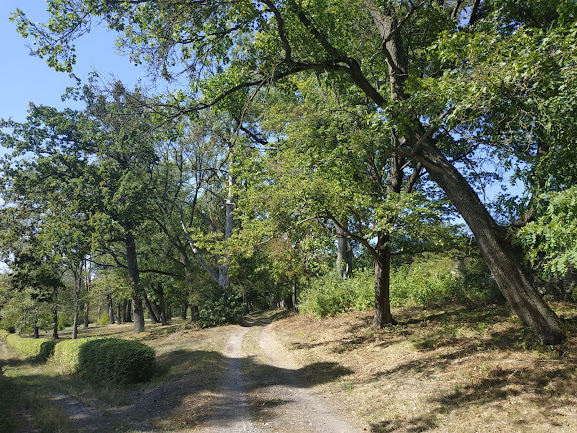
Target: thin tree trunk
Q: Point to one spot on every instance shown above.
(77, 276)
(55, 323)
(87, 303)
(36, 330)
(294, 293)
(151, 313)
(223, 267)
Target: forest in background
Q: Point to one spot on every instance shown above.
(324, 155)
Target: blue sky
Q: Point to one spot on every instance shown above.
(25, 78)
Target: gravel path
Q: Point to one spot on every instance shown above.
(261, 391)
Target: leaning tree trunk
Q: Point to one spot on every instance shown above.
(496, 248)
(134, 276)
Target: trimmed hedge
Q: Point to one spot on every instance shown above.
(106, 360)
(4, 333)
(66, 354)
(38, 348)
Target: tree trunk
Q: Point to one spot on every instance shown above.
(294, 293)
(55, 323)
(110, 307)
(223, 267)
(86, 317)
(344, 254)
(151, 313)
(36, 330)
(193, 312)
(134, 276)
(127, 307)
(382, 316)
(162, 304)
(496, 248)
(119, 312)
(184, 311)
(77, 276)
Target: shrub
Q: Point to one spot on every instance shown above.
(219, 309)
(66, 354)
(330, 294)
(103, 319)
(115, 361)
(431, 278)
(38, 348)
(4, 333)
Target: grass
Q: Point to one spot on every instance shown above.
(442, 369)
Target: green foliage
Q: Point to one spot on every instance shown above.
(219, 308)
(329, 294)
(430, 279)
(433, 278)
(4, 333)
(113, 361)
(551, 239)
(103, 319)
(37, 348)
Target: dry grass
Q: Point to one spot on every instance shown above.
(443, 370)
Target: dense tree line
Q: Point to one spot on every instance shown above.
(371, 122)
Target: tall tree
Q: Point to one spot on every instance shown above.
(228, 47)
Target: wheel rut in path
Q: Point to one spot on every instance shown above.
(287, 402)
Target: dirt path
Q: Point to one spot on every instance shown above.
(287, 400)
(257, 389)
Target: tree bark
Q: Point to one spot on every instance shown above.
(496, 248)
(110, 309)
(86, 317)
(223, 267)
(134, 276)
(151, 313)
(55, 323)
(344, 254)
(36, 330)
(383, 316)
(77, 276)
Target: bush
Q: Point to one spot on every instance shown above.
(66, 354)
(435, 278)
(4, 333)
(115, 361)
(103, 319)
(219, 309)
(431, 278)
(38, 348)
(330, 294)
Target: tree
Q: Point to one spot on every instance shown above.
(228, 47)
